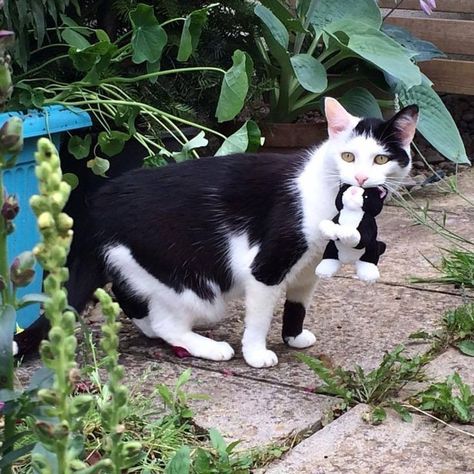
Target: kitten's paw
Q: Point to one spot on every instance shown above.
(348, 236)
(367, 272)
(301, 341)
(328, 229)
(260, 358)
(327, 268)
(14, 348)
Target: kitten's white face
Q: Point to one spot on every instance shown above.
(370, 152)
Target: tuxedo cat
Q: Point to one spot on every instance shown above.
(179, 242)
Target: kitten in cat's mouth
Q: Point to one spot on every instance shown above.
(179, 242)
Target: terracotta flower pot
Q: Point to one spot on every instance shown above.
(292, 137)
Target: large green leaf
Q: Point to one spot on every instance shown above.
(191, 33)
(274, 25)
(424, 50)
(74, 39)
(378, 49)
(234, 87)
(329, 11)
(285, 15)
(310, 73)
(436, 123)
(361, 103)
(246, 138)
(180, 463)
(98, 55)
(148, 38)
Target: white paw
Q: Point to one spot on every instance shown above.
(327, 268)
(367, 272)
(211, 350)
(260, 358)
(328, 229)
(348, 236)
(14, 348)
(301, 341)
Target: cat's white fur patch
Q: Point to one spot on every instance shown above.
(367, 272)
(301, 341)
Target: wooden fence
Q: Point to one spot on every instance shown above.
(451, 29)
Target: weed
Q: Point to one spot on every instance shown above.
(457, 330)
(373, 387)
(451, 400)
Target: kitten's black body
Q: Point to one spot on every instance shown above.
(174, 219)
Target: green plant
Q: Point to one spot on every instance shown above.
(106, 72)
(324, 47)
(457, 330)
(451, 400)
(375, 387)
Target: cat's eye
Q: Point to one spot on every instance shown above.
(348, 156)
(381, 159)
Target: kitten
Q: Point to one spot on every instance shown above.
(179, 242)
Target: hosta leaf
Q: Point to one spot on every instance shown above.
(361, 103)
(191, 33)
(112, 142)
(329, 11)
(424, 50)
(466, 347)
(283, 13)
(246, 138)
(436, 123)
(274, 25)
(79, 147)
(378, 49)
(74, 39)
(148, 38)
(310, 73)
(234, 87)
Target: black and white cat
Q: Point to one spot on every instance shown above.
(179, 242)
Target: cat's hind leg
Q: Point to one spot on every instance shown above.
(298, 298)
(176, 329)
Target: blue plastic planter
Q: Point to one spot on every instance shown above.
(21, 180)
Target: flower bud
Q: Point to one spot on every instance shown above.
(11, 135)
(45, 220)
(6, 86)
(21, 270)
(10, 208)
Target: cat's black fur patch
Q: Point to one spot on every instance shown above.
(293, 317)
(175, 220)
(387, 133)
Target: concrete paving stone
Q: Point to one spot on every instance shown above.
(350, 445)
(354, 324)
(254, 412)
(449, 362)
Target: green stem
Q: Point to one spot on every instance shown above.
(336, 58)
(32, 71)
(125, 80)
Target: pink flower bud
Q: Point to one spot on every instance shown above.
(10, 208)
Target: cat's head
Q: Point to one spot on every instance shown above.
(370, 152)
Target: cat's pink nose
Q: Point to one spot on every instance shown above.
(361, 179)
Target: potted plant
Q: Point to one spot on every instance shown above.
(322, 47)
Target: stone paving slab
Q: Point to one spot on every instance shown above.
(349, 445)
(354, 324)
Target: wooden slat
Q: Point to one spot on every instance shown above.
(449, 75)
(451, 36)
(456, 6)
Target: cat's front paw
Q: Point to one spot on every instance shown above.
(260, 358)
(303, 340)
(348, 236)
(327, 268)
(328, 229)
(367, 272)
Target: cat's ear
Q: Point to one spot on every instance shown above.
(404, 123)
(339, 119)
